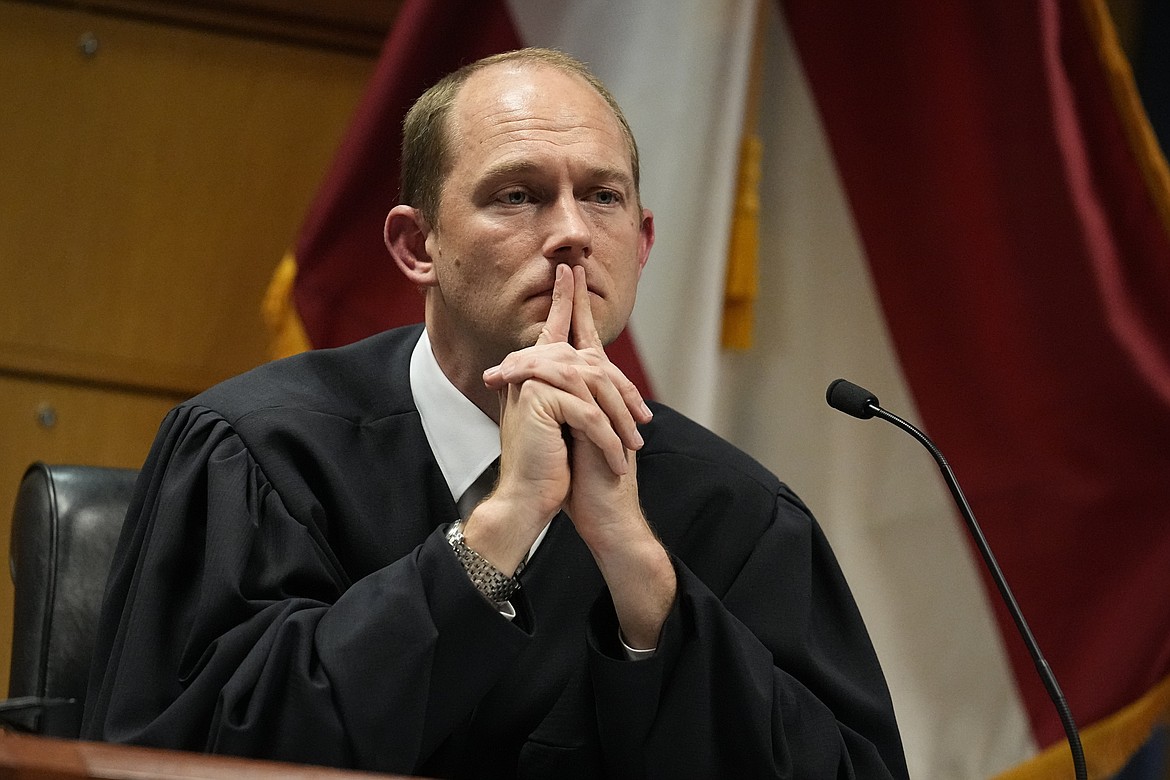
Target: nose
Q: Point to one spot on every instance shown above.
(570, 237)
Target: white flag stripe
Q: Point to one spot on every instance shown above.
(877, 493)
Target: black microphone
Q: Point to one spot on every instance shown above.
(844, 396)
(847, 397)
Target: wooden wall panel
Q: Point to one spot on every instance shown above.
(352, 25)
(151, 177)
(64, 423)
(149, 190)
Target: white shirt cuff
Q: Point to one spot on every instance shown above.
(635, 655)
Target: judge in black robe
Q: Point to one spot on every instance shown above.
(283, 589)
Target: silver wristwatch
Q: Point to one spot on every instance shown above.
(496, 586)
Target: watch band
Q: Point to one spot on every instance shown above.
(495, 586)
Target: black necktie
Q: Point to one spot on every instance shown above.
(482, 485)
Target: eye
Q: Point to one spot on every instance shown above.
(607, 197)
(515, 197)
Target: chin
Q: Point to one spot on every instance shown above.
(528, 337)
(609, 328)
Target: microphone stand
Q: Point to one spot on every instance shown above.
(870, 408)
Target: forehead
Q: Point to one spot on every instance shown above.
(525, 108)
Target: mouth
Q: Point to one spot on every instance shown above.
(545, 295)
(542, 289)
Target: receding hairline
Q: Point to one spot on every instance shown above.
(468, 89)
(439, 111)
(585, 78)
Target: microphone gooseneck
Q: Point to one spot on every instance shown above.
(854, 400)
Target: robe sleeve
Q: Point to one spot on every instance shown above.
(229, 625)
(777, 678)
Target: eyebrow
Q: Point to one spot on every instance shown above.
(508, 168)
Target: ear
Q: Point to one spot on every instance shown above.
(406, 234)
(646, 240)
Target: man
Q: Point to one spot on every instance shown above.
(295, 580)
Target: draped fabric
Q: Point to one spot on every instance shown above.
(1023, 265)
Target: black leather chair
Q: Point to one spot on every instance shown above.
(65, 526)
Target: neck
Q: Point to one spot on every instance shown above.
(465, 370)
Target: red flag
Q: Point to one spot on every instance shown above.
(1020, 246)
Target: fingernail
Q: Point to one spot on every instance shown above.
(491, 373)
(646, 410)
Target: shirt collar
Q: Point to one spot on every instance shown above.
(464, 439)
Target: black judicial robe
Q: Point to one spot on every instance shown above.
(282, 589)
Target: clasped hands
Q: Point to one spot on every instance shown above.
(568, 437)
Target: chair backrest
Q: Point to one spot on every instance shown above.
(65, 526)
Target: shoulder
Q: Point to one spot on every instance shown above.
(311, 427)
(360, 382)
(711, 503)
(686, 446)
